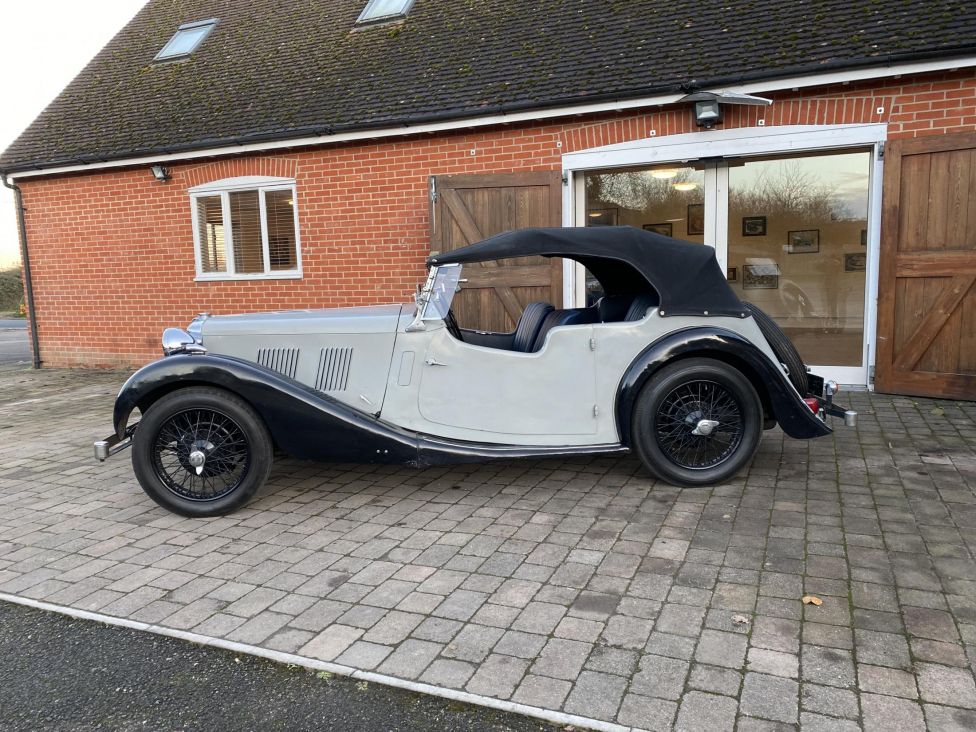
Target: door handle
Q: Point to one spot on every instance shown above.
(434, 362)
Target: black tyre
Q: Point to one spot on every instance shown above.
(201, 451)
(783, 348)
(697, 422)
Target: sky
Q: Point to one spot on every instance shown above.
(45, 44)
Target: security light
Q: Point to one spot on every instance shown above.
(160, 173)
(708, 105)
(708, 113)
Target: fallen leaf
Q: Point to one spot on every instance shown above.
(740, 619)
(812, 600)
(938, 411)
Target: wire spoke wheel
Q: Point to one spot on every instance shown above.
(698, 424)
(201, 454)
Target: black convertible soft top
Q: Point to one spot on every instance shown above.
(625, 260)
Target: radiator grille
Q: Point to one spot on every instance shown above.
(333, 373)
(282, 360)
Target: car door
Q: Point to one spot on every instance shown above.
(549, 395)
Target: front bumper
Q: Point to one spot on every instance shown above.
(113, 444)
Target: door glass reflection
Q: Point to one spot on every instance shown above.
(668, 200)
(798, 248)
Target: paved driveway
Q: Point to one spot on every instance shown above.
(575, 586)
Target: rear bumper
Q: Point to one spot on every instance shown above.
(821, 401)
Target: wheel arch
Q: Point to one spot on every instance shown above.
(779, 399)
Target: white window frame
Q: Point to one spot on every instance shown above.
(208, 24)
(733, 143)
(224, 188)
(365, 18)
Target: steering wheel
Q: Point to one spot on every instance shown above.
(452, 325)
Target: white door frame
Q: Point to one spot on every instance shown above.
(711, 146)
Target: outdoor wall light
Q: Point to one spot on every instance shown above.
(160, 173)
(708, 105)
(708, 113)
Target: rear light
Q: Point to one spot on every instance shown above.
(813, 403)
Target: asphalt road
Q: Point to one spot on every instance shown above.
(14, 345)
(58, 673)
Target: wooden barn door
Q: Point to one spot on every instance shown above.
(468, 208)
(926, 293)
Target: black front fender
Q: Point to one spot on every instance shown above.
(303, 422)
(790, 412)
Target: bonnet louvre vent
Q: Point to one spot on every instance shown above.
(282, 360)
(333, 373)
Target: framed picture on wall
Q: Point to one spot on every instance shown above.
(601, 217)
(806, 241)
(696, 218)
(732, 274)
(664, 229)
(753, 226)
(855, 262)
(760, 277)
(864, 237)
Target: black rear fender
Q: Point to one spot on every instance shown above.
(779, 397)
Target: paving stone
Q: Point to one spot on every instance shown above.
(776, 663)
(410, 658)
(715, 680)
(949, 719)
(884, 680)
(362, 654)
(539, 617)
(517, 643)
(882, 649)
(393, 627)
(497, 676)
(829, 700)
(721, 649)
(596, 694)
(660, 677)
(473, 643)
(770, 697)
(541, 691)
(830, 666)
(331, 642)
(562, 659)
(946, 685)
(644, 712)
(700, 711)
(887, 713)
(627, 632)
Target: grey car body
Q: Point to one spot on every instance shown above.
(402, 383)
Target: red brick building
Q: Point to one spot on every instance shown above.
(315, 157)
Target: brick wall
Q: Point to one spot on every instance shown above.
(112, 252)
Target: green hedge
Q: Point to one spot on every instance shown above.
(11, 289)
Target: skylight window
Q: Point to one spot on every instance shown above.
(186, 40)
(379, 10)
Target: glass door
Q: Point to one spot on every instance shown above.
(666, 199)
(797, 247)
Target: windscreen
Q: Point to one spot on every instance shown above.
(442, 289)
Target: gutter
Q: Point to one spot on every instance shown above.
(25, 259)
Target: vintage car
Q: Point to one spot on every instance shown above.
(669, 363)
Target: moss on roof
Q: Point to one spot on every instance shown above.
(285, 68)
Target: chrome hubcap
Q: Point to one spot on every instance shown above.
(197, 459)
(705, 427)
